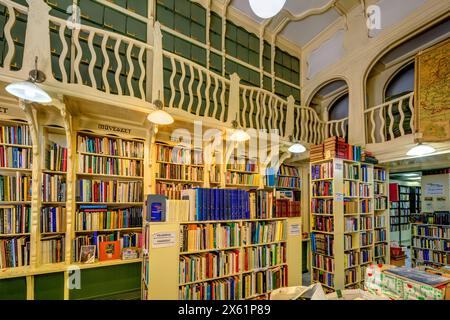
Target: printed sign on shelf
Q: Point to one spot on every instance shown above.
(163, 239)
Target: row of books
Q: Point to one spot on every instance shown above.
(56, 157)
(53, 188)
(438, 217)
(380, 203)
(177, 210)
(112, 166)
(249, 166)
(366, 206)
(261, 204)
(287, 208)
(15, 188)
(15, 134)
(53, 219)
(322, 188)
(366, 255)
(323, 262)
(379, 174)
(322, 171)
(322, 206)
(109, 191)
(15, 219)
(322, 244)
(179, 172)
(351, 259)
(239, 178)
(430, 231)
(217, 204)
(285, 170)
(380, 222)
(171, 191)
(351, 224)
(264, 256)
(350, 276)
(366, 223)
(204, 266)
(287, 182)
(93, 218)
(178, 154)
(323, 224)
(52, 250)
(260, 232)
(348, 241)
(380, 250)
(125, 240)
(223, 289)
(364, 190)
(323, 278)
(14, 252)
(261, 282)
(351, 171)
(16, 157)
(366, 238)
(380, 235)
(350, 188)
(427, 255)
(366, 173)
(110, 146)
(335, 147)
(195, 237)
(379, 188)
(350, 206)
(434, 244)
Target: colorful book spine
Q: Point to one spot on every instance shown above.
(108, 191)
(325, 224)
(53, 188)
(56, 157)
(91, 164)
(178, 155)
(106, 219)
(196, 237)
(15, 220)
(110, 146)
(180, 172)
(14, 252)
(258, 283)
(53, 219)
(262, 257)
(322, 188)
(224, 289)
(322, 171)
(52, 250)
(15, 188)
(261, 232)
(15, 134)
(322, 206)
(16, 157)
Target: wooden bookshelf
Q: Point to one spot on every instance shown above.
(241, 172)
(343, 216)
(16, 149)
(429, 242)
(177, 168)
(114, 164)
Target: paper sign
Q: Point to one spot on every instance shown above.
(441, 204)
(163, 239)
(294, 229)
(434, 189)
(339, 196)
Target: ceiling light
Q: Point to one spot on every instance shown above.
(420, 150)
(266, 8)
(238, 134)
(296, 147)
(159, 116)
(28, 90)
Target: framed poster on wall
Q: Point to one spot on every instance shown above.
(432, 94)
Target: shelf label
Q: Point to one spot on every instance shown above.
(339, 196)
(163, 239)
(295, 229)
(434, 189)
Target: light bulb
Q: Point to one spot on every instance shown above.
(266, 8)
(297, 148)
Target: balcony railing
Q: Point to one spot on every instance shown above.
(390, 120)
(92, 62)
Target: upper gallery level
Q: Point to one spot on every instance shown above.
(209, 60)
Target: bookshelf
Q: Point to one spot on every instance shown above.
(430, 239)
(252, 256)
(16, 159)
(177, 168)
(345, 221)
(109, 191)
(400, 212)
(381, 215)
(53, 200)
(242, 172)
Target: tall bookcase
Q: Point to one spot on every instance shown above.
(430, 244)
(16, 158)
(345, 222)
(400, 213)
(381, 218)
(109, 191)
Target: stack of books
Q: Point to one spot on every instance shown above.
(316, 152)
(368, 157)
(335, 147)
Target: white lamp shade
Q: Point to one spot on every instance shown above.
(239, 135)
(297, 148)
(28, 91)
(266, 8)
(160, 117)
(420, 150)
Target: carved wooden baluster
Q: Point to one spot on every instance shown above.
(93, 59)
(64, 51)
(131, 71)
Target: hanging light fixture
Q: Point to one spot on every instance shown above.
(420, 150)
(238, 134)
(266, 8)
(296, 147)
(159, 116)
(28, 90)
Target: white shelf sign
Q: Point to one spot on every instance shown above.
(294, 229)
(163, 239)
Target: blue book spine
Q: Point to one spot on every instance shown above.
(216, 204)
(222, 204)
(198, 197)
(204, 204)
